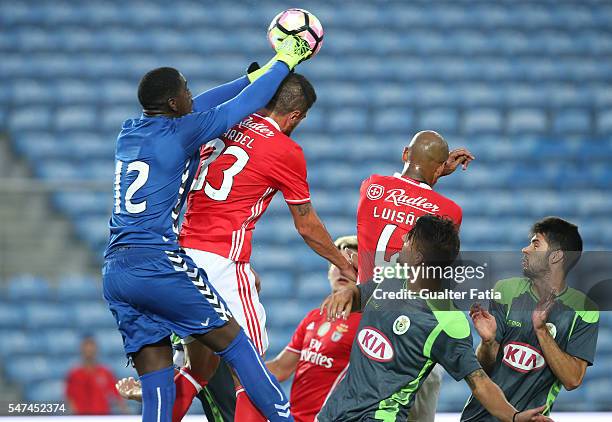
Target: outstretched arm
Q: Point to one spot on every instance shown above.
(283, 365)
(254, 96)
(215, 121)
(219, 94)
(493, 399)
(314, 233)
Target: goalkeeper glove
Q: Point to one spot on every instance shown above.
(291, 51)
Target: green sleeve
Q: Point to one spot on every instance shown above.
(583, 336)
(455, 355)
(452, 344)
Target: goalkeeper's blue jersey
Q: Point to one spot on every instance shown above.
(155, 161)
(156, 158)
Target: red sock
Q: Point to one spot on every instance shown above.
(245, 409)
(188, 386)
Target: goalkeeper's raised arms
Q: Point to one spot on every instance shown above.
(292, 51)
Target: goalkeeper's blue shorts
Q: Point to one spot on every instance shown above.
(152, 293)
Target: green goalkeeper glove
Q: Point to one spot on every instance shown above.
(291, 51)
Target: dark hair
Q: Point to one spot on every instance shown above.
(157, 86)
(561, 235)
(294, 93)
(436, 238)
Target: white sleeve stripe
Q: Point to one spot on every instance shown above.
(296, 201)
(192, 380)
(291, 349)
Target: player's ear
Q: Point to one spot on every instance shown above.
(406, 154)
(296, 115)
(172, 104)
(555, 257)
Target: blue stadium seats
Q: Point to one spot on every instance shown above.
(46, 392)
(93, 315)
(11, 316)
(348, 120)
(76, 287)
(482, 122)
(46, 315)
(70, 118)
(28, 369)
(30, 118)
(60, 342)
(18, 342)
(276, 285)
(57, 170)
(572, 121)
(604, 122)
(109, 341)
(27, 287)
(286, 313)
(397, 119)
(525, 86)
(527, 121)
(313, 286)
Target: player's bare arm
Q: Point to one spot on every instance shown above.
(283, 365)
(457, 157)
(486, 326)
(341, 303)
(493, 399)
(309, 226)
(569, 369)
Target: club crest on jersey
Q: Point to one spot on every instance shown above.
(523, 357)
(552, 329)
(401, 325)
(375, 345)
(339, 332)
(323, 329)
(375, 192)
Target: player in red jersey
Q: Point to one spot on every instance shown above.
(388, 209)
(251, 162)
(318, 352)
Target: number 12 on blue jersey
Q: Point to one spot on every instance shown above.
(142, 170)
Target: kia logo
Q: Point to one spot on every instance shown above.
(375, 345)
(523, 357)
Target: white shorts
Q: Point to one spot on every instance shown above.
(235, 283)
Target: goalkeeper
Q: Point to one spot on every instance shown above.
(152, 287)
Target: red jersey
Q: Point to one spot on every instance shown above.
(90, 390)
(388, 208)
(325, 349)
(251, 162)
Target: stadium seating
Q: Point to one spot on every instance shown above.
(526, 86)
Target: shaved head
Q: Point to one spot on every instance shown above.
(427, 146)
(425, 156)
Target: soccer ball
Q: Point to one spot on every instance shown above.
(298, 22)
